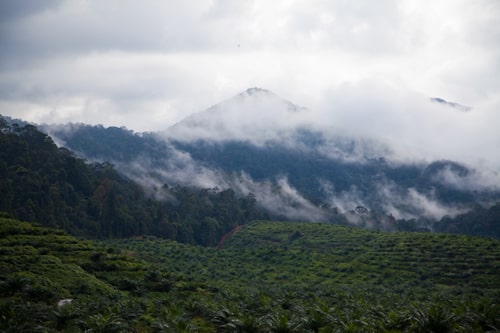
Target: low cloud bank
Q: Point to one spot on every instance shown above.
(278, 197)
(474, 180)
(390, 198)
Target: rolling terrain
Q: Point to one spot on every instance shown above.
(267, 277)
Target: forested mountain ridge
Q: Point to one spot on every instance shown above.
(49, 185)
(120, 145)
(300, 182)
(267, 276)
(97, 143)
(135, 181)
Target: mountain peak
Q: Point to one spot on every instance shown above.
(260, 98)
(255, 114)
(256, 90)
(456, 106)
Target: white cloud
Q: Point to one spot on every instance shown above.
(477, 180)
(401, 203)
(279, 198)
(276, 196)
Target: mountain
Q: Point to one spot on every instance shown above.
(259, 143)
(263, 276)
(269, 138)
(256, 114)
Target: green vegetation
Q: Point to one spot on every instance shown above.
(42, 266)
(48, 185)
(265, 277)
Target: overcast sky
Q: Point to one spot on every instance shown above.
(148, 64)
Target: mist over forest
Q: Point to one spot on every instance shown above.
(258, 144)
(292, 160)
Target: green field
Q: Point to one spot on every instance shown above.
(266, 277)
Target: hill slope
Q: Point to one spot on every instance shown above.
(53, 282)
(47, 184)
(42, 183)
(308, 277)
(268, 276)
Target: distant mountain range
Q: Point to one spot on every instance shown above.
(260, 144)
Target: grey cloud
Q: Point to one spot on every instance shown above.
(76, 28)
(358, 27)
(14, 9)
(181, 26)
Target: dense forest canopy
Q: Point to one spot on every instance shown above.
(49, 185)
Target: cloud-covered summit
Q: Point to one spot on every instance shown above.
(256, 114)
(261, 93)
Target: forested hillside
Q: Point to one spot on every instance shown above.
(49, 185)
(99, 143)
